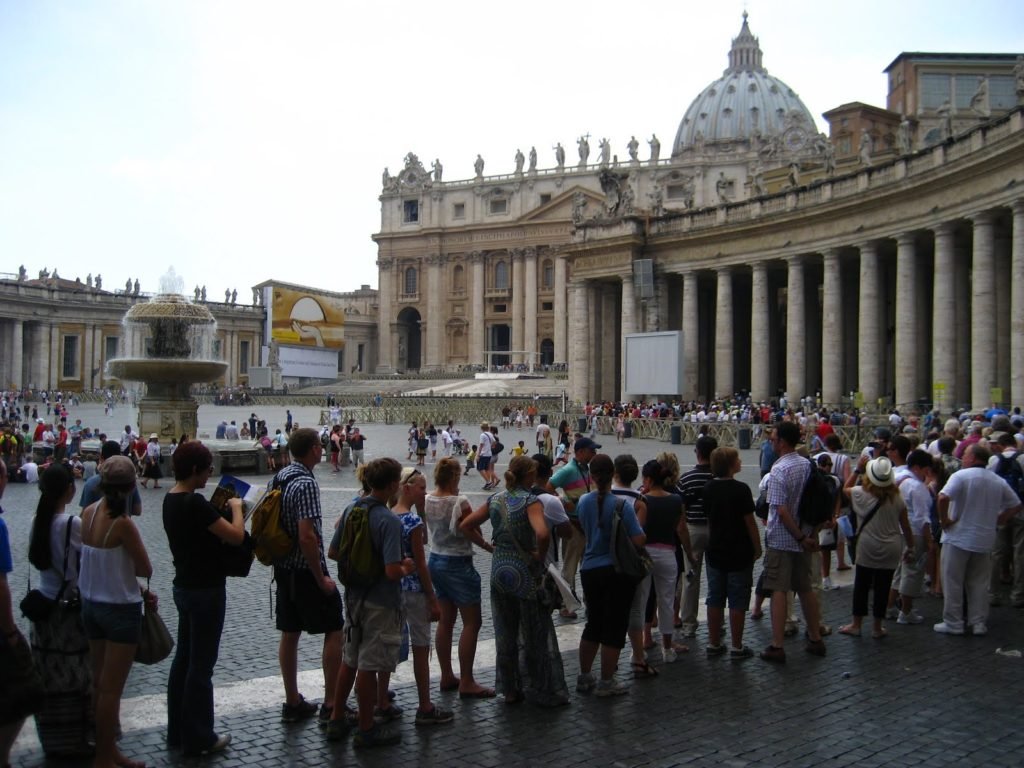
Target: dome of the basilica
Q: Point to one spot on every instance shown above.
(743, 103)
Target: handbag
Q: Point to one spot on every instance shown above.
(237, 560)
(629, 560)
(155, 642)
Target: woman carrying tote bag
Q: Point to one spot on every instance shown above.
(59, 645)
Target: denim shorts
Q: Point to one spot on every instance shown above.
(734, 585)
(114, 622)
(482, 463)
(455, 579)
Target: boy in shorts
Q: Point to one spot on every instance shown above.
(373, 634)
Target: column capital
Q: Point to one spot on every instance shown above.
(727, 269)
(475, 257)
(905, 239)
(385, 263)
(434, 259)
(795, 260)
(1017, 206)
(627, 277)
(944, 229)
(516, 254)
(982, 218)
(530, 252)
(868, 246)
(830, 254)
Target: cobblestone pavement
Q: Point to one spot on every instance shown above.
(914, 698)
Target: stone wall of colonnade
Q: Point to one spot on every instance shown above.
(931, 314)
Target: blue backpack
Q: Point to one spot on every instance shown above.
(1010, 470)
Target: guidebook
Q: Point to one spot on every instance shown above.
(231, 487)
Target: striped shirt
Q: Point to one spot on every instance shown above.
(574, 480)
(300, 501)
(691, 490)
(785, 486)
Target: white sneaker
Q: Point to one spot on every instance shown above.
(611, 687)
(892, 613)
(826, 583)
(585, 682)
(670, 655)
(944, 629)
(979, 629)
(910, 618)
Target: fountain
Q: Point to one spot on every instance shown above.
(168, 346)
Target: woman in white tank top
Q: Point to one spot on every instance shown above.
(113, 556)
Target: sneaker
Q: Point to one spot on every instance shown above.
(773, 654)
(688, 632)
(670, 655)
(655, 656)
(738, 654)
(826, 583)
(913, 617)
(378, 736)
(612, 687)
(393, 712)
(324, 716)
(892, 613)
(585, 682)
(219, 745)
(714, 650)
(338, 729)
(436, 716)
(293, 713)
(944, 629)
(816, 647)
(979, 629)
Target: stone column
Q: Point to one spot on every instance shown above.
(561, 310)
(628, 326)
(530, 308)
(385, 291)
(906, 321)
(1017, 305)
(983, 297)
(477, 323)
(943, 321)
(832, 330)
(516, 257)
(760, 334)
(724, 384)
(691, 350)
(17, 354)
(869, 324)
(796, 347)
(609, 343)
(54, 368)
(435, 320)
(1002, 315)
(88, 358)
(579, 370)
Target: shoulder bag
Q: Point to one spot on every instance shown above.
(629, 560)
(155, 642)
(851, 540)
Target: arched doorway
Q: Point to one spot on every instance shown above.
(409, 340)
(547, 352)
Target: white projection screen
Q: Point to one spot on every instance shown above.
(654, 363)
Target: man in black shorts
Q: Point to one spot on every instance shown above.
(307, 595)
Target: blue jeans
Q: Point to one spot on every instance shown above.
(190, 684)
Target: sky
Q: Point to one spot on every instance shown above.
(240, 140)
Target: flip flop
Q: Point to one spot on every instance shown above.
(881, 635)
(641, 669)
(680, 648)
(849, 630)
(483, 693)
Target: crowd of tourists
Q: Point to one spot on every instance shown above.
(637, 545)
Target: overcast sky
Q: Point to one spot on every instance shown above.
(241, 141)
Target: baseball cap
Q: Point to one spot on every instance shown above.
(585, 442)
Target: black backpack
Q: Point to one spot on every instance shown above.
(1010, 470)
(818, 500)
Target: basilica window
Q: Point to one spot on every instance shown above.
(243, 357)
(459, 211)
(410, 281)
(548, 274)
(459, 279)
(935, 89)
(501, 276)
(545, 198)
(498, 205)
(1002, 92)
(411, 211)
(69, 369)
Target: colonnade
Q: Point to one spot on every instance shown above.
(933, 314)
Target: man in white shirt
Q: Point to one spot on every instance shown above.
(971, 505)
(908, 581)
(483, 457)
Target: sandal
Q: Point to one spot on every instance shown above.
(680, 648)
(849, 629)
(880, 634)
(641, 669)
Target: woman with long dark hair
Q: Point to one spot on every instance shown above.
(59, 644)
(608, 594)
(195, 531)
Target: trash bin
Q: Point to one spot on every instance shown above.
(744, 438)
(543, 418)
(676, 434)
(628, 431)
(346, 456)
(581, 424)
